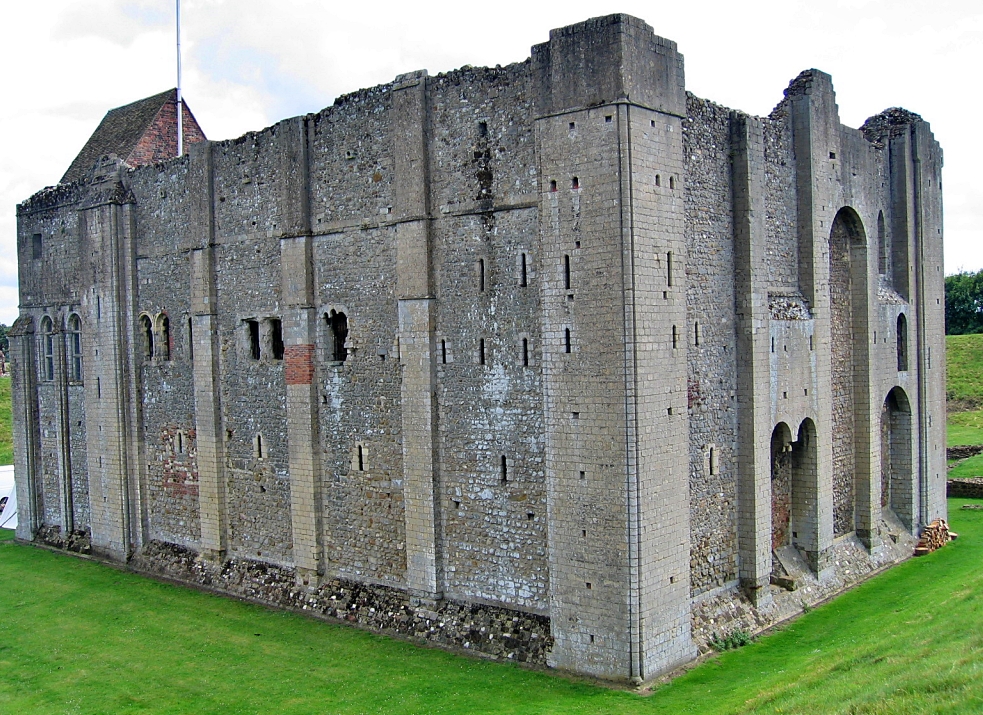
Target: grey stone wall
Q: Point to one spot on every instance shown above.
(780, 211)
(712, 370)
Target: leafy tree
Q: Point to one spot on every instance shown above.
(4, 343)
(964, 303)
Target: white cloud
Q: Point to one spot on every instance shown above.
(249, 63)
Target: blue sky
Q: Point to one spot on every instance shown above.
(249, 63)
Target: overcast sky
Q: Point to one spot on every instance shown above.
(250, 63)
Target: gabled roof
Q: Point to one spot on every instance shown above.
(120, 133)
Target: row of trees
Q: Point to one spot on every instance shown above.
(964, 303)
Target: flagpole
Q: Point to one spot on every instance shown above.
(180, 103)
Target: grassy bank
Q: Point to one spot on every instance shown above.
(964, 365)
(964, 391)
(79, 637)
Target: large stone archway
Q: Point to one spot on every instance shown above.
(848, 345)
(794, 491)
(897, 463)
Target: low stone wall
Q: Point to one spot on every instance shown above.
(490, 630)
(969, 487)
(963, 451)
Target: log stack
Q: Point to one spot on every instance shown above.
(935, 536)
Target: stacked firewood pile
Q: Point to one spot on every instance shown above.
(935, 536)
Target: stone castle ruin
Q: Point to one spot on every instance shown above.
(554, 361)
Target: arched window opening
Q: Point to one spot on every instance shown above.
(75, 346)
(848, 276)
(781, 486)
(337, 335)
(147, 337)
(898, 492)
(525, 352)
(48, 348)
(259, 449)
(794, 489)
(163, 337)
(902, 335)
(883, 250)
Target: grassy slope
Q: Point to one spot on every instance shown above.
(965, 428)
(971, 467)
(79, 637)
(964, 360)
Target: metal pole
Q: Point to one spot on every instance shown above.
(179, 105)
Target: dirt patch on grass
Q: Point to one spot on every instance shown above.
(953, 405)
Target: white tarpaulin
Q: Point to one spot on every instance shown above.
(8, 517)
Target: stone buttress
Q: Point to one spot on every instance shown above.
(611, 101)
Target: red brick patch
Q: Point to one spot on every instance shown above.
(298, 362)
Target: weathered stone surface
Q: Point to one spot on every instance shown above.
(490, 630)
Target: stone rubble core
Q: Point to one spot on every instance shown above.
(554, 362)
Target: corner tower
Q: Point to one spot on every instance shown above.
(611, 100)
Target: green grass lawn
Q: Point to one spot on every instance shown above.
(964, 387)
(971, 467)
(79, 637)
(965, 428)
(964, 363)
